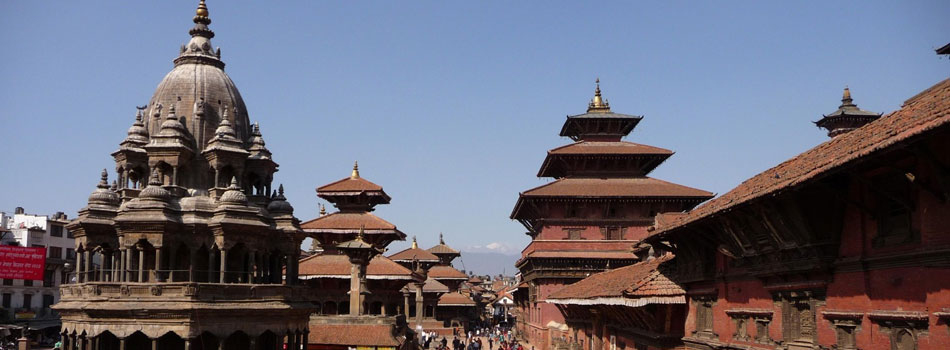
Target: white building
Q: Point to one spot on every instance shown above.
(28, 302)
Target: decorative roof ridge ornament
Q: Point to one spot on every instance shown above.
(323, 210)
(598, 104)
(441, 240)
(846, 100)
(356, 170)
(415, 245)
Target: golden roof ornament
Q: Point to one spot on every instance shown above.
(356, 170)
(414, 244)
(201, 14)
(323, 210)
(598, 104)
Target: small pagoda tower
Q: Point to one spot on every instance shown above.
(848, 117)
(359, 289)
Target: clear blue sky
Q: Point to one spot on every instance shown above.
(451, 106)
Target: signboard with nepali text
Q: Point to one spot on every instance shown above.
(22, 263)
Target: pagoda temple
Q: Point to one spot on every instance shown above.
(190, 248)
(586, 220)
(443, 306)
(846, 118)
(359, 291)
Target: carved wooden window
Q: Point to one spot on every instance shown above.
(894, 197)
(762, 330)
(902, 327)
(574, 233)
(742, 327)
(704, 317)
(798, 317)
(612, 232)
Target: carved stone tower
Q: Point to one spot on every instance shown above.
(189, 249)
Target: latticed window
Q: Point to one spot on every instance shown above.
(704, 317)
(612, 232)
(574, 234)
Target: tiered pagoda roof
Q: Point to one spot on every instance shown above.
(445, 253)
(339, 266)
(414, 253)
(446, 272)
(600, 167)
(847, 117)
(355, 197)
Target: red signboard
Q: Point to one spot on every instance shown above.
(22, 263)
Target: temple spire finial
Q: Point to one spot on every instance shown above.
(598, 104)
(415, 245)
(441, 241)
(103, 179)
(323, 210)
(201, 14)
(846, 97)
(356, 170)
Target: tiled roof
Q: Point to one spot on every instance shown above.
(922, 113)
(350, 184)
(445, 272)
(635, 285)
(637, 187)
(352, 335)
(605, 147)
(455, 299)
(349, 221)
(443, 249)
(430, 286)
(475, 280)
(414, 253)
(581, 254)
(338, 266)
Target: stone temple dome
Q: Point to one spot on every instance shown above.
(200, 90)
(195, 130)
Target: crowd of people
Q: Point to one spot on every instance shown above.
(497, 339)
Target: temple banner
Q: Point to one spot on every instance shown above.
(22, 263)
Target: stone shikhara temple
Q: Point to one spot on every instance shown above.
(190, 248)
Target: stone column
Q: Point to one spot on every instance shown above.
(419, 311)
(224, 264)
(210, 265)
(121, 343)
(265, 272)
(251, 273)
(158, 265)
(355, 304)
(141, 251)
(188, 343)
(80, 266)
(382, 310)
(405, 307)
(192, 260)
(127, 265)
